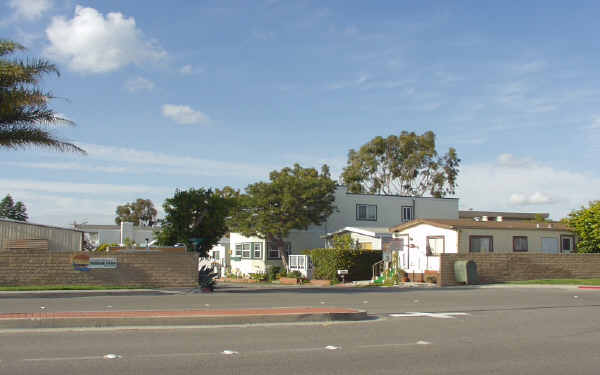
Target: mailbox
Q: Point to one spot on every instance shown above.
(342, 272)
(465, 271)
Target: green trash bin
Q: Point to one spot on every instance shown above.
(465, 271)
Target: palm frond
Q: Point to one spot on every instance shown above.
(22, 136)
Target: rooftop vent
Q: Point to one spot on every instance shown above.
(476, 218)
(484, 218)
(499, 218)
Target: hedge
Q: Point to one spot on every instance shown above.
(359, 263)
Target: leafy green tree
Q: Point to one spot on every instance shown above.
(195, 213)
(295, 198)
(140, 212)
(586, 224)
(13, 210)
(25, 117)
(407, 164)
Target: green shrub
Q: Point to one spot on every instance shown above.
(431, 279)
(105, 246)
(296, 274)
(326, 262)
(273, 272)
(259, 276)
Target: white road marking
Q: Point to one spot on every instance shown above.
(229, 352)
(421, 342)
(112, 356)
(332, 347)
(448, 315)
(365, 301)
(322, 302)
(61, 358)
(575, 296)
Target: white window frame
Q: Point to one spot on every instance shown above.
(238, 250)
(247, 249)
(273, 250)
(257, 247)
(410, 210)
(367, 217)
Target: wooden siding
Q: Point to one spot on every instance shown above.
(58, 239)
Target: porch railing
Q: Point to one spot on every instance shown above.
(378, 269)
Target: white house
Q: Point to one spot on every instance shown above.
(253, 254)
(367, 238)
(419, 243)
(219, 257)
(101, 234)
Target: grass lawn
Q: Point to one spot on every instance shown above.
(63, 287)
(559, 282)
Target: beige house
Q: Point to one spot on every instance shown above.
(367, 238)
(419, 243)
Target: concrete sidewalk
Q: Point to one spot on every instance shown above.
(97, 319)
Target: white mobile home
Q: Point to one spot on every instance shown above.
(251, 255)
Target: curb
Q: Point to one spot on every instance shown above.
(589, 287)
(85, 293)
(100, 319)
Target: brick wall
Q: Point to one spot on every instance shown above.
(514, 267)
(143, 269)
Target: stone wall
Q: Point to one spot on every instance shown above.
(516, 267)
(136, 268)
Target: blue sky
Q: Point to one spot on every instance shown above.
(213, 93)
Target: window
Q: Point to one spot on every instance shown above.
(238, 250)
(257, 250)
(407, 213)
(246, 250)
(481, 244)
(274, 252)
(435, 245)
(550, 245)
(567, 244)
(366, 212)
(520, 243)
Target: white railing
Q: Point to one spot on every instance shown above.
(300, 263)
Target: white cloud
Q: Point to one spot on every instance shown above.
(183, 114)
(94, 43)
(30, 9)
(595, 123)
(189, 69)
(511, 182)
(509, 160)
(537, 198)
(77, 188)
(186, 69)
(359, 81)
(177, 164)
(139, 84)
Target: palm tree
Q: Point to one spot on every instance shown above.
(25, 118)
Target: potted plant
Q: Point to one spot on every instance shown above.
(206, 279)
(404, 276)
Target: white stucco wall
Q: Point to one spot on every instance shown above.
(413, 258)
(389, 209)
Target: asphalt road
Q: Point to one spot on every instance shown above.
(500, 331)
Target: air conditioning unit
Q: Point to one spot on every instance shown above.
(484, 218)
(499, 218)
